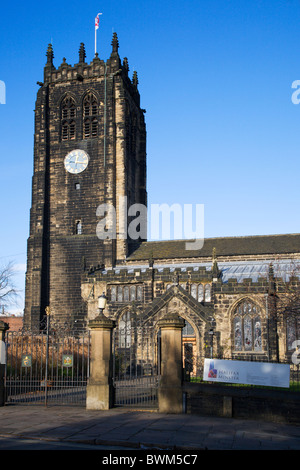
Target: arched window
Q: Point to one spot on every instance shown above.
(90, 116)
(248, 342)
(207, 296)
(257, 334)
(194, 291)
(247, 334)
(68, 113)
(113, 293)
(128, 293)
(68, 109)
(139, 293)
(132, 293)
(292, 331)
(188, 330)
(201, 292)
(125, 331)
(237, 328)
(120, 294)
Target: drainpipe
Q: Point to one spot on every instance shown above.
(267, 317)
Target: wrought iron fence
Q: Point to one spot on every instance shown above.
(47, 366)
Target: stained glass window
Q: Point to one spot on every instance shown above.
(257, 334)
(125, 331)
(247, 330)
(237, 325)
(247, 333)
(292, 332)
(188, 330)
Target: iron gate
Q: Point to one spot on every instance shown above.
(136, 362)
(48, 366)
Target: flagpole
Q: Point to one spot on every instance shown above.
(96, 27)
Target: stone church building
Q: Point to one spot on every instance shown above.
(90, 150)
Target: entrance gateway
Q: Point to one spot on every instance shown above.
(136, 362)
(51, 366)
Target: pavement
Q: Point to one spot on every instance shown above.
(56, 427)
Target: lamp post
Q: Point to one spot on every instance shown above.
(102, 300)
(100, 386)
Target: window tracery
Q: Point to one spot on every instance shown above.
(201, 292)
(68, 114)
(90, 116)
(292, 331)
(247, 329)
(129, 293)
(125, 331)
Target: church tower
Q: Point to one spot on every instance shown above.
(89, 150)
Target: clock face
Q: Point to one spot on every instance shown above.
(76, 161)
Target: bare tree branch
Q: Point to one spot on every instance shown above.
(8, 291)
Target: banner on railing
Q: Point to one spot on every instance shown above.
(244, 372)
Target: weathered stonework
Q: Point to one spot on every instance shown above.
(68, 270)
(56, 253)
(166, 289)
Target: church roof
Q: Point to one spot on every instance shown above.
(224, 246)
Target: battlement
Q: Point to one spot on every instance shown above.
(97, 68)
(144, 273)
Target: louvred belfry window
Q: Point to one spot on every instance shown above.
(68, 113)
(90, 116)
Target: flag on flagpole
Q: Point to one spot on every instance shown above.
(97, 21)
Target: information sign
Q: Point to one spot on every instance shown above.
(244, 372)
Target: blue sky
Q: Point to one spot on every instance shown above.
(215, 77)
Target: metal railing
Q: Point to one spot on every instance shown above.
(46, 367)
